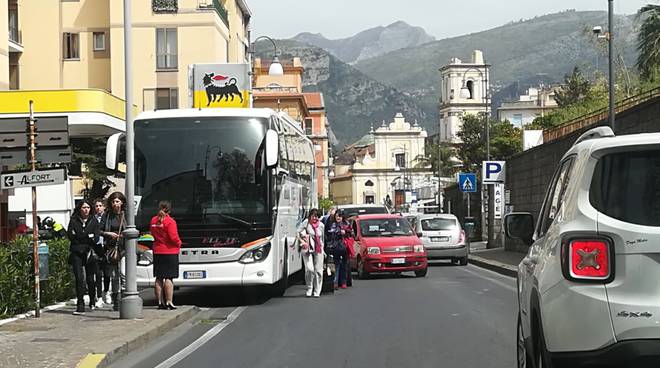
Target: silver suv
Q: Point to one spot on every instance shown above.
(442, 237)
(589, 287)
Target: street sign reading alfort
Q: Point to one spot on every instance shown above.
(28, 179)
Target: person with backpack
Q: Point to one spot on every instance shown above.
(83, 234)
(335, 245)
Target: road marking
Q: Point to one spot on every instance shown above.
(91, 361)
(174, 359)
(498, 282)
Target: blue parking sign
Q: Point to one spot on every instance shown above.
(467, 182)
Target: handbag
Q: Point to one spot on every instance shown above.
(113, 254)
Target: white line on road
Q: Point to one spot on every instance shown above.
(498, 282)
(174, 359)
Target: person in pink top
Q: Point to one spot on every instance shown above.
(166, 247)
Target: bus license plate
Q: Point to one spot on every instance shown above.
(398, 260)
(194, 274)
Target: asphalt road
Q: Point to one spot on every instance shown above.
(455, 317)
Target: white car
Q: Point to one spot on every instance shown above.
(589, 287)
(442, 237)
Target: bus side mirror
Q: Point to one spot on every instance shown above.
(112, 150)
(272, 148)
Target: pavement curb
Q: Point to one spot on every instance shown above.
(499, 267)
(142, 340)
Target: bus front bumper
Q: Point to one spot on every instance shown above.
(213, 274)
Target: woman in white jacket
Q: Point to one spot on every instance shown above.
(313, 241)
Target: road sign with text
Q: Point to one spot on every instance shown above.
(36, 178)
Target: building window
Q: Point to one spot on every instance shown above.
(166, 48)
(99, 41)
(400, 160)
(167, 98)
(369, 199)
(308, 126)
(71, 43)
(369, 183)
(517, 120)
(470, 87)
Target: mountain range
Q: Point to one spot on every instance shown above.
(369, 77)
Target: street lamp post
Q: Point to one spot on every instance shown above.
(131, 303)
(275, 68)
(610, 40)
(465, 93)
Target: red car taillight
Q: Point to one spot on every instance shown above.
(461, 237)
(588, 259)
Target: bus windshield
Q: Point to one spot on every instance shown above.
(212, 169)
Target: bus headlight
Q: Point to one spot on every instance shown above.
(255, 255)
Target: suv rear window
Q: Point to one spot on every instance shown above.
(436, 224)
(354, 211)
(626, 186)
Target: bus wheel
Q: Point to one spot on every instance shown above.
(279, 288)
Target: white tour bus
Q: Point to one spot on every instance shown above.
(240, 182)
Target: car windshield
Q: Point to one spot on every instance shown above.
(437, 224)
(385, 227)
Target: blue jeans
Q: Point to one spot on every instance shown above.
(341, 258)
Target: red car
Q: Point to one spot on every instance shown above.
(386, 243)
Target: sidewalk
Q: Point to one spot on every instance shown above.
(60, 339)
(497, 259)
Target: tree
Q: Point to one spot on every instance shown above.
(505, 141)
(648, 42)
(90, 152)
(430, 158)
(325, 204)
(576, 89)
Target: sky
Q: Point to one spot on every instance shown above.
(440, 18)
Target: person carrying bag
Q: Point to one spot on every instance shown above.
(113, 224)
(312, 238)
(83, 234)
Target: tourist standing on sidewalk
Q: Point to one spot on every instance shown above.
(167, 245)
(83, 233)
(349, 241)
(336, 247)
(114, 223)
(99, 212)
(312, 239)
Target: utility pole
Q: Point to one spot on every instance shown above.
(491, 197)
(610, 42)
(131, 303)
(32, 133)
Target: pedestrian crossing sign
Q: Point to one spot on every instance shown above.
(467, 182)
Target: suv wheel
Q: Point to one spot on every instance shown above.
(463, 261)
(523, 356)
(540, 352)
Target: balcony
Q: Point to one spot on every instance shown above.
(164, 6)
(222, 12)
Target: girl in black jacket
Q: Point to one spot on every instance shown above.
(84, 235)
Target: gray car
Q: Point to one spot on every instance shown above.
(442, 237)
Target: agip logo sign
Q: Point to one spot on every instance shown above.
(221, 85)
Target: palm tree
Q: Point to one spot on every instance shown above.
(648, 41)
(445, 152)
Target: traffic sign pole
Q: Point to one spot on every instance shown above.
(35, 229)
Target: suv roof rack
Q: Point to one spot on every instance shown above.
(595, 133)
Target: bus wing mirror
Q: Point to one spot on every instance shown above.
(112, 150)
(272, 148)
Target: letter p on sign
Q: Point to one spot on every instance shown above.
(493, 172)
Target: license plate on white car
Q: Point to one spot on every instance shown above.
(194, 274)
(398, 260)
(440, 239)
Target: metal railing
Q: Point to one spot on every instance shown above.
(164, 6)
(598, 115)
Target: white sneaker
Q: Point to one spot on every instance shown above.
(99, 303)
(86, 299)
(107, 299)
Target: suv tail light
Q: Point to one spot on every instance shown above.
(588, 259)
(461, 237)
